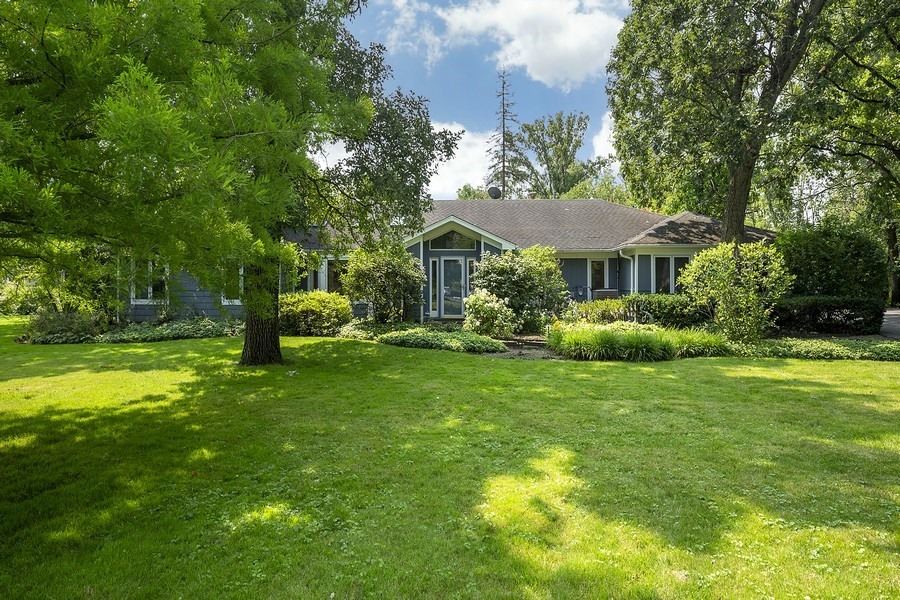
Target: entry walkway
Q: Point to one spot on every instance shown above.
(891, 326)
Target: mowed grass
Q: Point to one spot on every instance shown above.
(364, 470)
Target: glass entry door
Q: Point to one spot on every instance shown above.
(452, 287)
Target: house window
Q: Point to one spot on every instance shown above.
(680, 263)
(452, 240)
(663, 266)
(598, 274)
(148, 283)
(336, 268)
(667, 269)
(233, 282)
(434, 285)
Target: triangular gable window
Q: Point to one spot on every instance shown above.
(452, 240)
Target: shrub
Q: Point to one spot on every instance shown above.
(645, 346)
(436, 339)
(149, 332)
(49, 326)
(315, 313)
(530, 280)
(829, 314)
(389, 277)
(486, 314)
(596, 311)
(739, 285)
(368, 329)
(835, 259)
(665, 310)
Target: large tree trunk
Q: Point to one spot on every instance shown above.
(894, 258)
(738, 196)
(262, 344)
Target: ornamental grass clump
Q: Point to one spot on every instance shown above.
(633, 342)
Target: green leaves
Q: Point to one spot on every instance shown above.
(739, 285)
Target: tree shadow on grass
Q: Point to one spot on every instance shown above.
(367, 470)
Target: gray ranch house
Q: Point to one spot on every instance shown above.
(606, 250)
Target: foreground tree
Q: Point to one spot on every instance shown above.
(185, 134)
(696, 90)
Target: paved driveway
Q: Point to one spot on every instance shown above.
(891, 326)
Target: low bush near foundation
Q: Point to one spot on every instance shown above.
(314, 313)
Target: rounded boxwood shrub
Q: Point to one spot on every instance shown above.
(486, 314)
(665, 310)
(315, 313)
(607, 310)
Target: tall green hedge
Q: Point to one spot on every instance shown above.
(835, 259)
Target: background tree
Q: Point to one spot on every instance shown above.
(471, 192)
(184, 134)
(554, 142)
(505, 168)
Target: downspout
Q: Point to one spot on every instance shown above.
(630, 260)
(424, 288)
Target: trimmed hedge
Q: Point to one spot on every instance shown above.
(829, 314)
(315, 313)
(435, 339)
(665, 310)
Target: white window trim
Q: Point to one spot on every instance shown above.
(434, 280)
(149, 299)
(237, 301)
(443, 313)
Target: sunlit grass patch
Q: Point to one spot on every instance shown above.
(364, 470)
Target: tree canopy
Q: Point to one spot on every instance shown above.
(187, 132)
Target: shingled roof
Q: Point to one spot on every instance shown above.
(563, 224)
(583, 224)
(691, 229)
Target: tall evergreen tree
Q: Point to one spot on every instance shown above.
(506, 169)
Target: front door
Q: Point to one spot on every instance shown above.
(452, 287)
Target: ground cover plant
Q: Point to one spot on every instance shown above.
(365, 470)
(182, 329)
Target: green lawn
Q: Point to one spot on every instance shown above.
(364, 470)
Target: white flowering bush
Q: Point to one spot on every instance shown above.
(486, 314)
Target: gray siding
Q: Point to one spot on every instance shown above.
(491, 248)
(625, 266)
(414, 250)
(644, 280)
(612, 266)
(188, 299)
(574, 271)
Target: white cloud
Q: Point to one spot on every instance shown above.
(561, 44)
(411, 30)
(468, 165)
(603, 141)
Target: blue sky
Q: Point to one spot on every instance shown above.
(450, 51)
